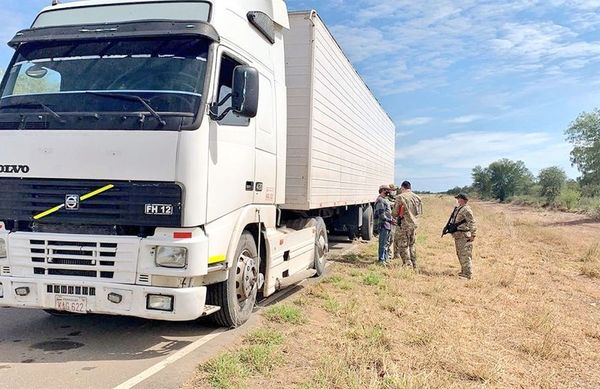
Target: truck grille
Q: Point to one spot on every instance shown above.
(90, 257)
(123, 205)
(95, 259)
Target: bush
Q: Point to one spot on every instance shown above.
(590, 205)
(569, 198)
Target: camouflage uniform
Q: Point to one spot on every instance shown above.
(407, 209)
(463, 238)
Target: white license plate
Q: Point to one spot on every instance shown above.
(71, 304)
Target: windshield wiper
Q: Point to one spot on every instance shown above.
(139, 99)
(31, 104)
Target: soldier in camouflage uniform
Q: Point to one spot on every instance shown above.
(406, 211)
(463, 218)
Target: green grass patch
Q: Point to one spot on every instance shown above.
(265, 337)
(372, 279)
(226, 371)
(333, 279)
(331, 305)
(260, 357)
(355, 273)
(283, 313)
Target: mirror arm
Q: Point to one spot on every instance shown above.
(224, 99)
(213, 109)
(218, 118)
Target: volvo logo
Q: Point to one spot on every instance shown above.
(72, 202)
(14, 169)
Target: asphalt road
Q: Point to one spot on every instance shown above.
(92, 351)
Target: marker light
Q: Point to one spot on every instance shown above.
(22, 291)
(115, 298)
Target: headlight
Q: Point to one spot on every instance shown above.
(2, 248)
(167, 256)
(159, 302)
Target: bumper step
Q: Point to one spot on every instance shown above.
(210, 309)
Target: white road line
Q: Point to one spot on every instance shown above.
(130, 383)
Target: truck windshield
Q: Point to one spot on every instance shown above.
(167, 74)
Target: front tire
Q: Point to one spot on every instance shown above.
(237, 295)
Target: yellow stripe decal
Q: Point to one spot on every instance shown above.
(82, 198)
(96, 192)
(49, 212)
(216, 259)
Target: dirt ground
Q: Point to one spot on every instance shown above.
(529, 318)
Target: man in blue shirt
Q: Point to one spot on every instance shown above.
(383, 220)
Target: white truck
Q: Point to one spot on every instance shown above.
(175, 159)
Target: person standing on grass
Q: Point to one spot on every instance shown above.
(383, 219)
(392, 195)
(463, 220)
(406, 211)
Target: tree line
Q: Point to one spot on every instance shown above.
(508, 180)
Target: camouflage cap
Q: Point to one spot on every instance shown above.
(382, 187)
(463, 196)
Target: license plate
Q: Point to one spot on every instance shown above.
(71, 304)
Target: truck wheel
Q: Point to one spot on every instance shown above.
(366, 231)
(321, 243)
(237, 295)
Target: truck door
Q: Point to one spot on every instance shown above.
(231, 149)
(266, 144)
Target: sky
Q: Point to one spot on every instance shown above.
(466, 82)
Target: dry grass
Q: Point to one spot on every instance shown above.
(529, 318)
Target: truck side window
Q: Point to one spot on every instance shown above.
(225, 85)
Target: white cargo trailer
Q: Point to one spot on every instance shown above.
(146, 150)
(340, 140)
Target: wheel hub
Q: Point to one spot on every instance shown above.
(247, 276)
(321, 246)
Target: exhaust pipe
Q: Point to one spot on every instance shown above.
(285, 282)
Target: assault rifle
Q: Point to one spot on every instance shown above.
(450, 227)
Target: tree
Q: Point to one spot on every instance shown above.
(551, 181)
(584, 135)
(482, 181)
(509, 178)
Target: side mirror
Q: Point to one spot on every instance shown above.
(244, 101)
(36, 71)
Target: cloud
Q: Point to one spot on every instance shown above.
(403, 46)
(464, 150)
(417, 121)
(465, 119)
(403, 134)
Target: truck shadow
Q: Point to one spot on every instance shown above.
(31, 336)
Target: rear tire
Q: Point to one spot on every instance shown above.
(366, 231)
(237, 295)
(321, 243)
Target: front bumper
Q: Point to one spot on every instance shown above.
(188, 304)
